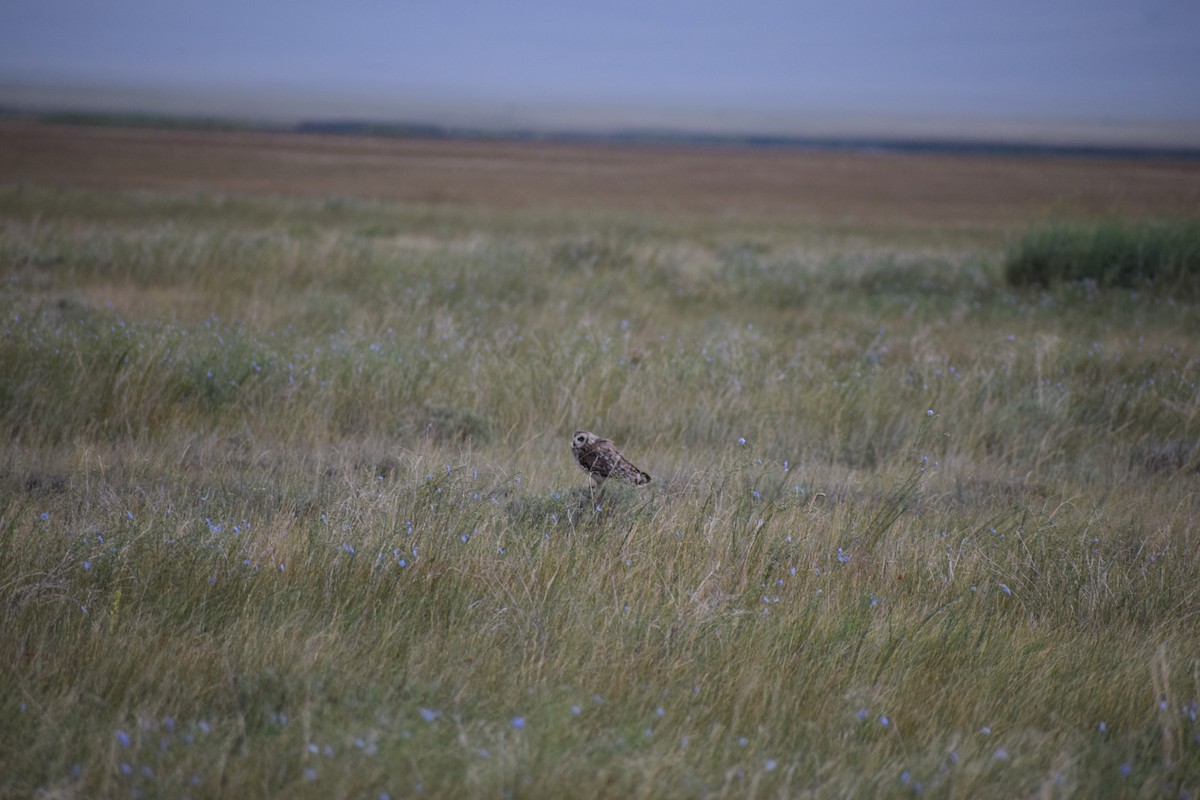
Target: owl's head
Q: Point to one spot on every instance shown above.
(582, 438)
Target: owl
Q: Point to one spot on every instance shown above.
(600, 459)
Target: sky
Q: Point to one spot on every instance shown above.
(804, 66)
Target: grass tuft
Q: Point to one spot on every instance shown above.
(1166, 255)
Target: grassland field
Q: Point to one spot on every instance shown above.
(288, 508)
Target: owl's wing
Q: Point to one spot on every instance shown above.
(625, 468)
(599, 458)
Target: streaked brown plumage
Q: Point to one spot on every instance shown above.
(600, 459)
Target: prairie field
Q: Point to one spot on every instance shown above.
(288, 506)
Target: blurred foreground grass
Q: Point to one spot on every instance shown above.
(287, 508)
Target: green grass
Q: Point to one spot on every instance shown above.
(1166, 254)
(287, 508)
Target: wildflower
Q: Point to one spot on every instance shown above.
(44, 516)
(986, 730)
(884, 721)
(770, 765)
(1126, 769)
(1001, 754)
(428, 714)
(576, 711)
(1103, 726)
(518, 722)
(660, 711)
(310, 774)
(862, 714)
(741, 441)
(929, 413)
(1005, 588)
(123, 738)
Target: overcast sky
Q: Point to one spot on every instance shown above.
(750, 63)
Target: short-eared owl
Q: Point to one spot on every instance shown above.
(600, 459)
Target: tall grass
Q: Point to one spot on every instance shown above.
(290, 510)
(1109, 254)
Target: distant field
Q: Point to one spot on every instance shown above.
(777, 185)
(287, 505)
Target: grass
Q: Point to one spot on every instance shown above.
(1109, 254)
(287, 508)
